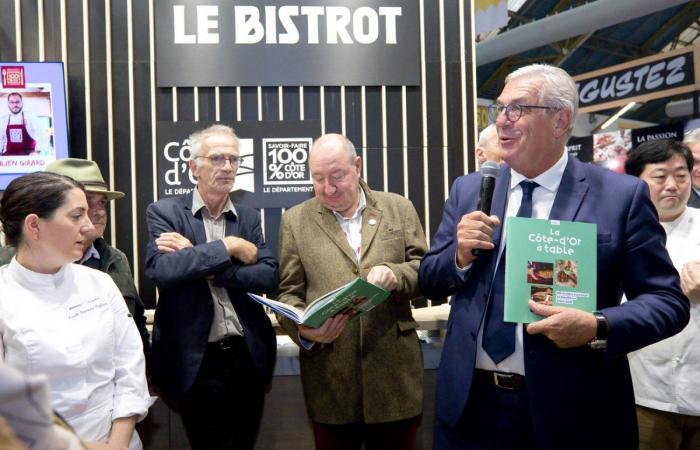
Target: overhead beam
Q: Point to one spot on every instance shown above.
(682, 15)
(573, 22)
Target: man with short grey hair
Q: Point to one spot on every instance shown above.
(561, 382)
(213, 347)
(692, 140)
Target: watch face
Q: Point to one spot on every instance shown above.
(598, 344)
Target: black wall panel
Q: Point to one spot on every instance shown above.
(415, 131)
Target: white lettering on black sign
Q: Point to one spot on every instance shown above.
(286, 161)
(659, 75)
(284, 43)
(280, 25)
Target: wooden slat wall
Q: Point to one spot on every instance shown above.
(412, 138)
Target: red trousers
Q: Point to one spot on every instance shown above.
(399, 435)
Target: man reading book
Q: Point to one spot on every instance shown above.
(507, 386)
(363, 380)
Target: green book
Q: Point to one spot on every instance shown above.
(549, 261)
(355, 298)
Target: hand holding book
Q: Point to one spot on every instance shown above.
(328, 332)
(383, 277)
(566, 327)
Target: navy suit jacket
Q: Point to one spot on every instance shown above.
(579, 397)
(185, 307)
(694, 199)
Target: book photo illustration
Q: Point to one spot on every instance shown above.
(354, 298)
(551, 262)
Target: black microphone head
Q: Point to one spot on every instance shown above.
(490, 169)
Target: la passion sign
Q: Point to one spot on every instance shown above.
(277, 42)
(641, 80)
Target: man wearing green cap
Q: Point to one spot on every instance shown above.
(97, 253)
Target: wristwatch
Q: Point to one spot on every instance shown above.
(600, 341)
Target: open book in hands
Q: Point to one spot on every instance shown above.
(355, 298)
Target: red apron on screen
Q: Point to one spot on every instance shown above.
(19, 142)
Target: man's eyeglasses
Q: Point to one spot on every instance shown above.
(220, 160)
(513, 111)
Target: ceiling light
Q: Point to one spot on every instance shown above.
(617, 115)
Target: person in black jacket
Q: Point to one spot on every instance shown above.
(213, 347)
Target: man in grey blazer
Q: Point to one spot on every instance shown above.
(363, 379)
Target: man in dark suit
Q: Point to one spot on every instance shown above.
(213, 348)
(541, 386)
(692, 140)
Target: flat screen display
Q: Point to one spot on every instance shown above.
(33, 124)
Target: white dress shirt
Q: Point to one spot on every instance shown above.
(542, 201)
(352, 226)
(74, 327)
(666, 375)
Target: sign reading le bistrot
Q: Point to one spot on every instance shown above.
(277, 42)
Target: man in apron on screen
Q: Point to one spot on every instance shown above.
(22, 134)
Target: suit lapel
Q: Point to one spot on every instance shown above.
(327, 222)
(195, 221)
(571, 192)
(232, 225)
(371, 219)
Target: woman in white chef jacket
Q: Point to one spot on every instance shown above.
(66, 320)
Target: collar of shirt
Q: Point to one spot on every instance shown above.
(549, 179)
(360, 207)
(542, 199)
(680, 221)
(198, 203)
(90, 253)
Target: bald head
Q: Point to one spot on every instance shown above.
(335, 171)
(488, 148)
(333, 142)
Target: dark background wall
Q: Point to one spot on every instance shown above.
(412, 139)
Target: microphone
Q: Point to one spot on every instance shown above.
(489, 171)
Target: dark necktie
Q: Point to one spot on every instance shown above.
(499, 336)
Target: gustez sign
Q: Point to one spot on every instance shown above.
(274, 169)
(645, 79)
(275, 42)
